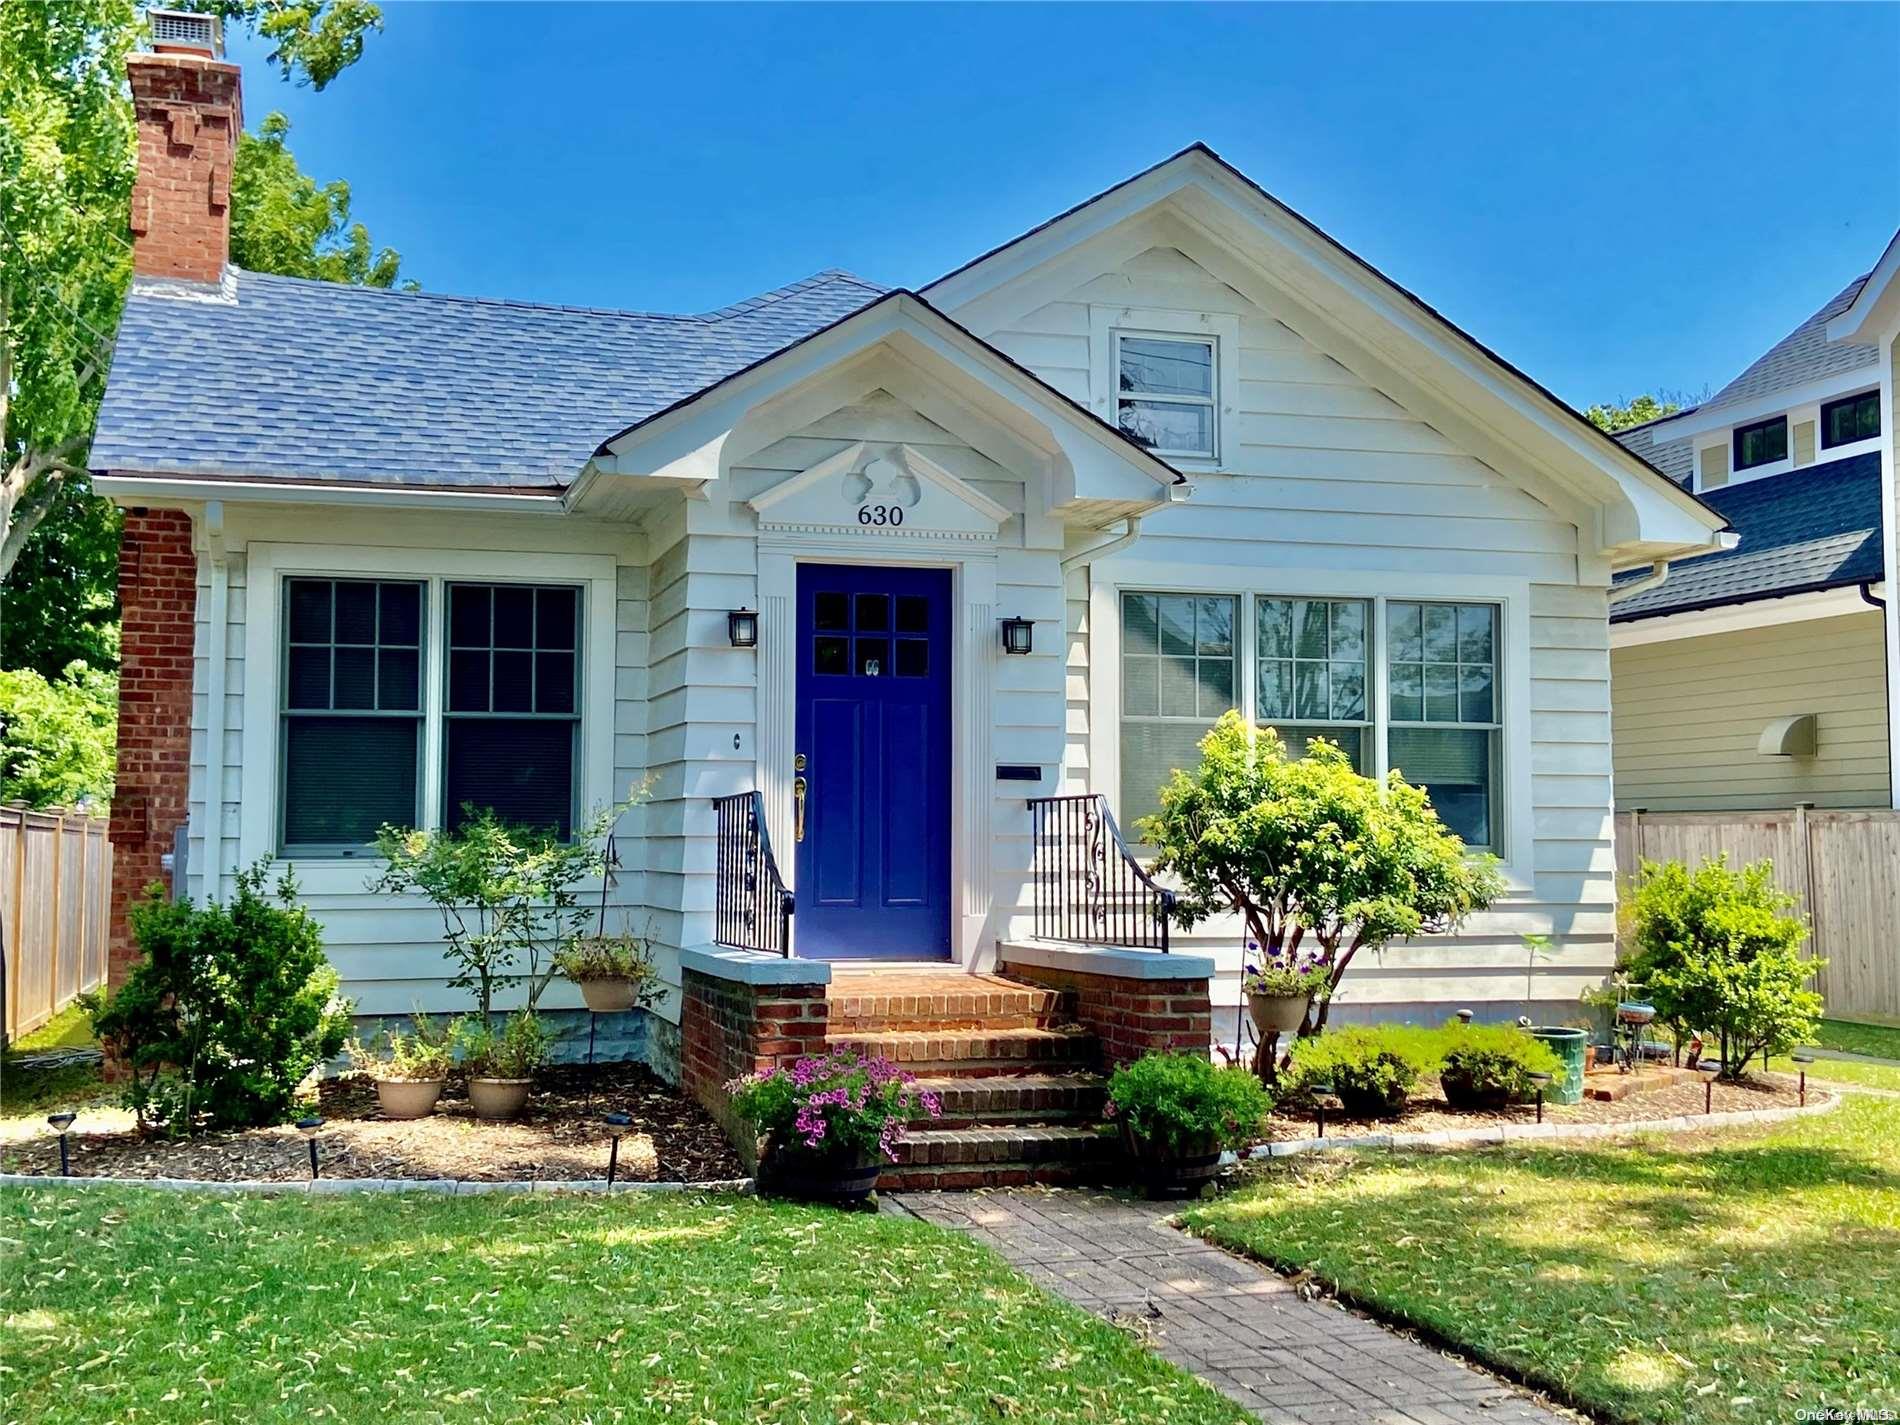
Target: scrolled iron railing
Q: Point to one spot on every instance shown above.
(1086, 885)
(752, 907)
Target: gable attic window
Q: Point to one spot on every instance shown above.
(1854, 418)
(1165, 393)
(1762, 443)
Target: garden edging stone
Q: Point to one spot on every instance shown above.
(457, 1187)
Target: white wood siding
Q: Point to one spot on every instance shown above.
(1323, 475)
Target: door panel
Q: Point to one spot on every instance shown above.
(873, 724)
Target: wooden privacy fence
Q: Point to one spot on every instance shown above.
(55, 884)
(1844, 865)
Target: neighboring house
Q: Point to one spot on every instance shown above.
(1766, 676)
(898, 561)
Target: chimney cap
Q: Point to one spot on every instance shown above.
(185, 32)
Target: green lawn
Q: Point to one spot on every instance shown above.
(150, 1306)
(1714, 1278)
(38, 1091)
(1851, 1038)
(1843, 1071)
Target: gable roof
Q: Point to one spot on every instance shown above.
(286, 378)
(1815, 528)
(1675, 458)
(1617, 453)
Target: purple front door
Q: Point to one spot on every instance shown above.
(873, 746)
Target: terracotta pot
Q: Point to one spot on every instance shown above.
(838, 1178)
(497, 1099)
(607, 996)
(1277, 1014)
(1589, 1057)
(1164, 1170)
(407, 1098)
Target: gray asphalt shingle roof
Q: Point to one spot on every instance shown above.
(1814, 528)
(1802, 356)
(312, 380)
(1675, 458)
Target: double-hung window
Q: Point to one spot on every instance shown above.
(1442, 661)
(1165, 393)
(1308, 672)
(1855, 418)
(1178, 664)
(394, 686)
(352, 711)
(513, 712)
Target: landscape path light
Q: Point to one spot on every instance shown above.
(61, 1122)
(617, 1126)
(310, 1127)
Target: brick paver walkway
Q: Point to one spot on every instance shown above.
(1242, 1329)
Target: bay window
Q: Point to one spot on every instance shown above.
(1308, 672)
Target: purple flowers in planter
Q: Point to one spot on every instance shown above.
(836, 1103)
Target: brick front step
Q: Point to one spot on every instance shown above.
(1005, 1099)
(1000, 1157)
(873, 1003)
(975, 1052)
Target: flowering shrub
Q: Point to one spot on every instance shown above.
(1179, 1101)
(834, 1104)
(1285, 972)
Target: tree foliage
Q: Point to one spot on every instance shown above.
(1308, 849)
(1613, 416)
(1719, 951)
(67, 164)
(57, 738)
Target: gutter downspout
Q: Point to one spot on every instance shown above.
(217, 619)
(1131, 530)
(1658, 572)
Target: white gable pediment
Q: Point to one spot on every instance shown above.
(880, 488)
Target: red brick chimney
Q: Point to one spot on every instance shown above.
(189, 115)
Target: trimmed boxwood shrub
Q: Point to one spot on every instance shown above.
(1179, 1101)
(1372, 1068)
(1490, 1065)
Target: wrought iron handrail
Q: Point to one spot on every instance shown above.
(752, 907)
(1087, 886)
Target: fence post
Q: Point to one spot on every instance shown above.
(17, 931)
(52, 962)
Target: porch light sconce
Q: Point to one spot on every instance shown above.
(742, 625)
(1019, 635)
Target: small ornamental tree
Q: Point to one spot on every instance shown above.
(510, 899)
(1719, 951)
(1309, 852)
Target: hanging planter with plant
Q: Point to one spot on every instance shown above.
(615, 972)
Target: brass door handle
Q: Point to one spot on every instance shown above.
(798, 808)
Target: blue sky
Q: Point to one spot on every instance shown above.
(1614, 198)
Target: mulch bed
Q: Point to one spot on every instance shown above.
(557, 1138)
(1432, 1115)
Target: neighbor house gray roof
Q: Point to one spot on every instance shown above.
(1675, 458)
(287, 378)
(1815, 528)
(1803, 356)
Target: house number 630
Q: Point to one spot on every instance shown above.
(881, 514)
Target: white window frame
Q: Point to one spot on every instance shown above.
(1515, 831)
(272, 565)
(1108, 324)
